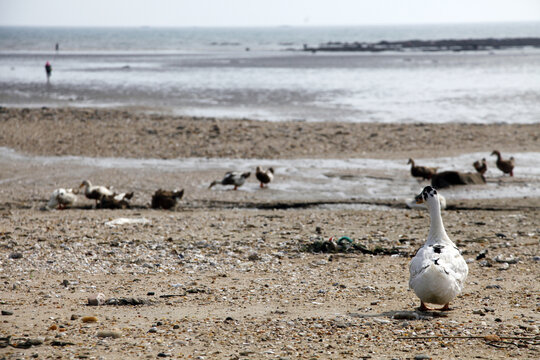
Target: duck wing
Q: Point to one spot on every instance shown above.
(446, 257)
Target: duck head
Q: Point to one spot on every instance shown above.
(496, 152)
(426, 194)
(246, 175)
(85, 183)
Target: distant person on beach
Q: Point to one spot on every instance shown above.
(48, 70)
(57, 47)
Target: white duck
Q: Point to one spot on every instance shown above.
(437, 271)
(95, 192)
(232, 178)
(61, 198)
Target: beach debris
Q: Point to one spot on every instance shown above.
(126, 301)
(345, 245)
(509, 260)
(423, 172)
(126, 221)
(96, 299)
(165, 199)
(506, 166)
(20, 343)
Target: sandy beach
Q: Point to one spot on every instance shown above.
(230, 274)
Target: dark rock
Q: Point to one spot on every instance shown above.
(153, 329)
(494, 286)
(163, 355)
(7, 312)
(15, 255)
(61, 343)
(151, 293)
(498, 320)
(176, 326)
(165, 199)
(448, 178)
(422, 357)
(482, 254)
(228, 318)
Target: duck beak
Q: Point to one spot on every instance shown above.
(419, 199)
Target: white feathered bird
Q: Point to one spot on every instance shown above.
(62, 198)
(437, 271)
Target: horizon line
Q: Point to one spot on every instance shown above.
(480, 22)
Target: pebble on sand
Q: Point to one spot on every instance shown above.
(7, 312)
(109, 333)
(96, 299)
(89, 319)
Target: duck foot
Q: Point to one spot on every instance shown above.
(446, 307)
(423, 307)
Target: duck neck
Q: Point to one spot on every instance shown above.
(437, 233)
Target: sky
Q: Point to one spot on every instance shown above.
(262, 12)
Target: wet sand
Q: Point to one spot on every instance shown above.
(226, 276)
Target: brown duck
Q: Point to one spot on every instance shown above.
(166, 199)
(264, 176)
(422, 171)
(480, 166)
(506, 166)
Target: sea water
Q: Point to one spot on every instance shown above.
(262, 74)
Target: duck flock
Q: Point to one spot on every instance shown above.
(437, 272)
(444, 179)
(106, 198)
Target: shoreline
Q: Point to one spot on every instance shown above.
(131, 133)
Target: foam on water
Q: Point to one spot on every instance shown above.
(332, 179)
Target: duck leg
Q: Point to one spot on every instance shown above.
(423, 307)
(262, 185)
(235, 187)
